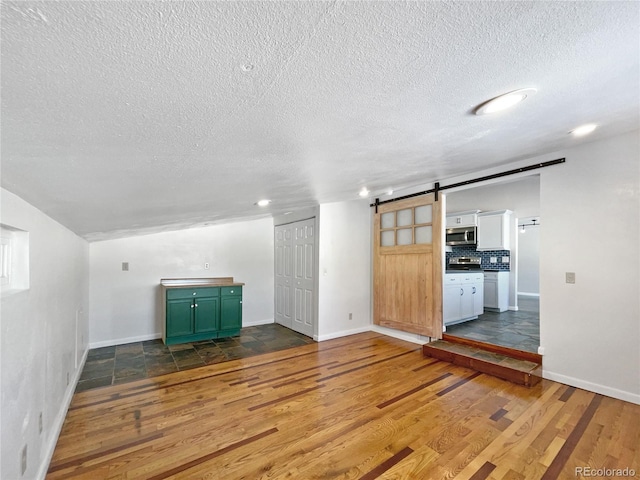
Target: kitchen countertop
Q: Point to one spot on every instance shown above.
(199, 282)
(464, 271)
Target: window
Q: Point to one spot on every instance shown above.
(14, 260)
(5, 261)
(410, 226)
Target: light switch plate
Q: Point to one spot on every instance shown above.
(570, 277)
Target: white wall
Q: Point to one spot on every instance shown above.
(126, 306)
(344, 284)
(591, 212)
(43, 336)
(528, 261)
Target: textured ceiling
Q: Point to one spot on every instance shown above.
(121, 118)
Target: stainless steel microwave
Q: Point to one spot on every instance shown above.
(461, 236)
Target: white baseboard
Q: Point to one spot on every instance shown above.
(122, 341)
(528, 294)
(592, 387)
(407, 337)
(266, 321)
(153, 336)
(56, 427)
(341, 333)
(512, 308)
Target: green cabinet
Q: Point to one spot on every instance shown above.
(231, 310)
(179, 317)
(206, 315)
(201, 313)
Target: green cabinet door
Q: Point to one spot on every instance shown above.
(201, 313)
(179, 317)
(206, 314)
(231, 313)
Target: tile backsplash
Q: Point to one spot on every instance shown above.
(469, 251)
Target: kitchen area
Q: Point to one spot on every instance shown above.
(481, 299)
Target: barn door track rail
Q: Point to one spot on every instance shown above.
(438, 188)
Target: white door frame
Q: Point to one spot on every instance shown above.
(304, 214)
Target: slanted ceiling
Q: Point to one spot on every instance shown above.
(120, 118)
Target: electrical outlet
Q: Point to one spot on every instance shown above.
(505, 259)
(23, 460)
(351, 316)
(206, 266)
(570, 277)
(125, 266)
(40, 423)
(493, 259)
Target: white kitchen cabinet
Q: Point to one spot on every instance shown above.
(478, 297)
(462, 297)
(462, 219)
(451, 301)
(493, 230)
(496, 291)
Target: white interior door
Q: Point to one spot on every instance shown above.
(283, 274)
(295, 245)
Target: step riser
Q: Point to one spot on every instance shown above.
(527, 379)
(510, 352)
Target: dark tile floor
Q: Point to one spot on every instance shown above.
(134, 361)
(519, 329)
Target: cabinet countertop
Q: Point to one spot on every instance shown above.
(199, 282)
(460, 272)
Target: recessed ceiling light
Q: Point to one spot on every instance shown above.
(364, 192)
(584, 130)
(263, 203)
(505, 101)
(247, 67)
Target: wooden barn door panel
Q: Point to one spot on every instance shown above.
(408, 266)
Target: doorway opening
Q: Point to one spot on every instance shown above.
(517, 325)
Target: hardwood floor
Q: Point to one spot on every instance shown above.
(365, 406)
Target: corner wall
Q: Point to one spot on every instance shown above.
(344, 277)
(126, 305)
(43, 337)
(590, 330)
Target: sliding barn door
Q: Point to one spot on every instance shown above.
(408, 266)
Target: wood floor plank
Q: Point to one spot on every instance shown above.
(364, 406)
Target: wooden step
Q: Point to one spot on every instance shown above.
(516, 370)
